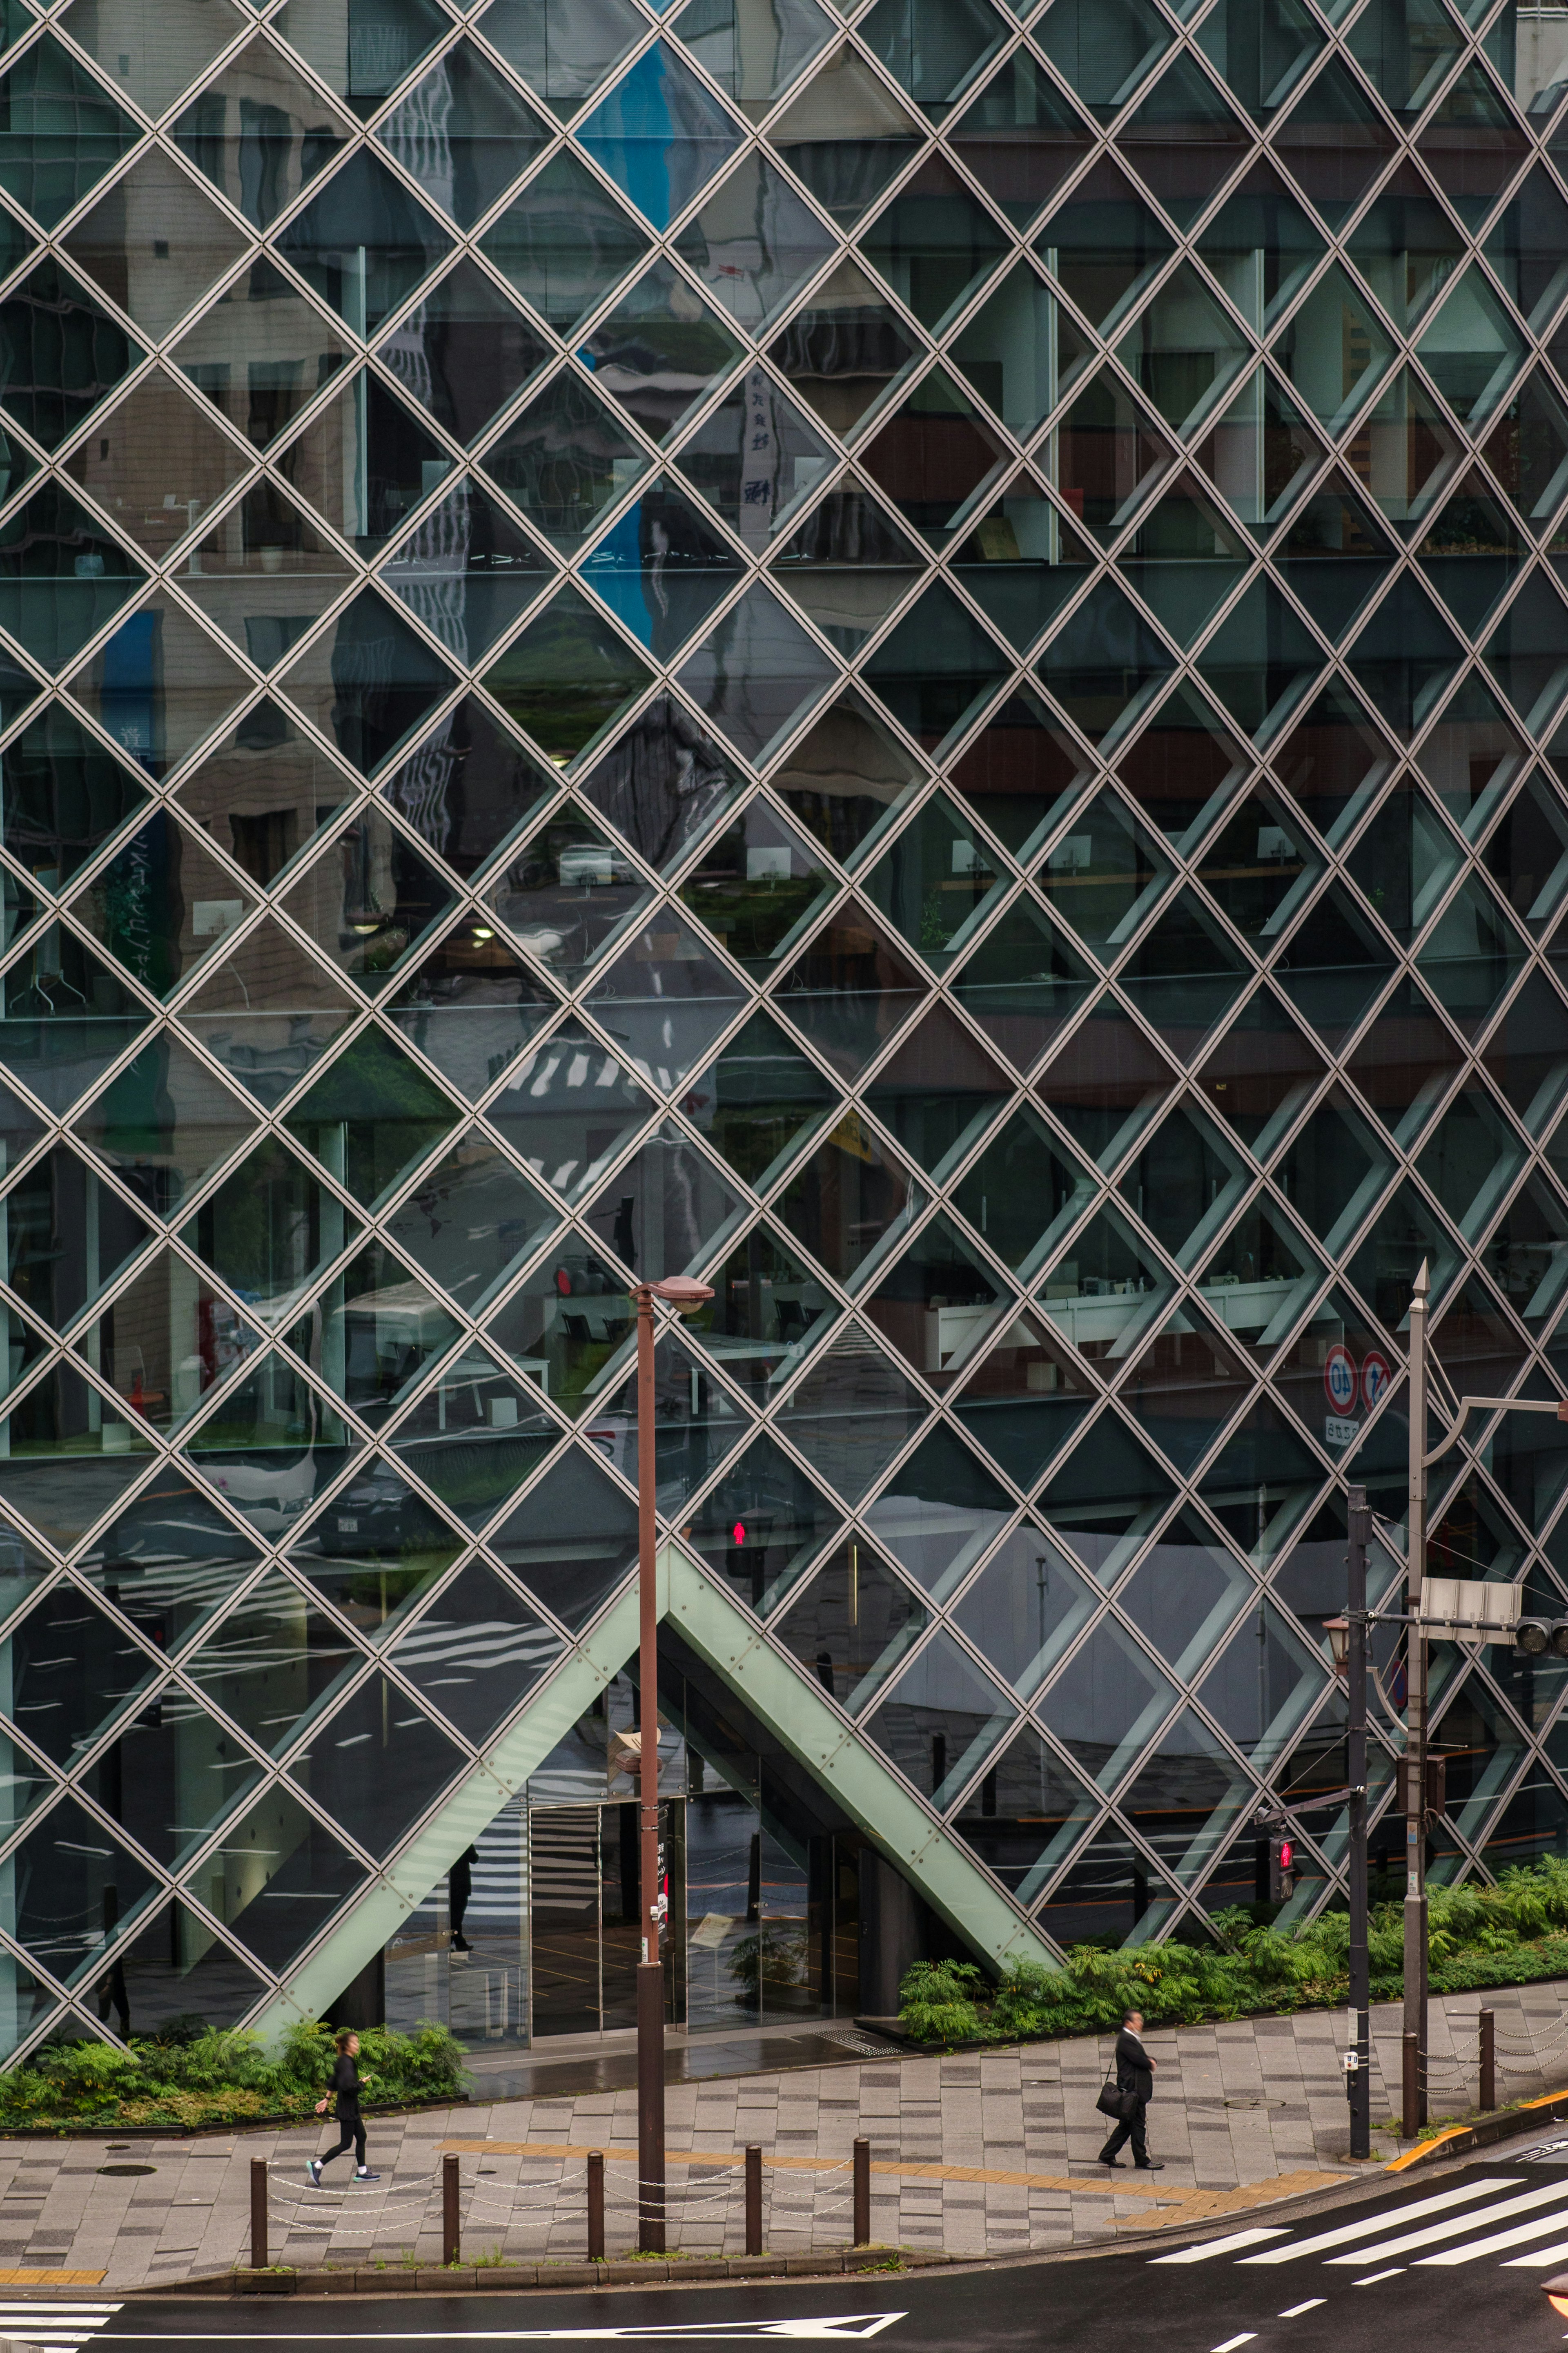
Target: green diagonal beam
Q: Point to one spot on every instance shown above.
(789, 1704)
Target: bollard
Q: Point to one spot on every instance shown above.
(258, 2214)
(1489, 2059)
(1412, 2087)
(595, 2205)
(862, 2193)
(753, 2199)
(451, 2235)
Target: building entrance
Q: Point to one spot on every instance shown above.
(584, 1933)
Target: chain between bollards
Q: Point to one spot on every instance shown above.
(862, 2193)
(451, 2235)
(258, 2257)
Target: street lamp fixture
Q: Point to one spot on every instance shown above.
(1556, 2294)
(683, 1294)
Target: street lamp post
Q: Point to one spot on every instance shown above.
(679, 1292)
(1348, 1641)
(1414, 2021)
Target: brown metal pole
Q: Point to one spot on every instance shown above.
(753, 2197)
(650, 1973)
(451, 2243)
(1489, 2059)
(1412, 2086)
(596, 2206)
(862, 2193)
(258, 2214)
(1416, 1727)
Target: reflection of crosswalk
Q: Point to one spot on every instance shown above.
(58, 2327)
(1461, 2225)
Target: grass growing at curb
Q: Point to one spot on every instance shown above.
(199, 2076)
(1511, 1934)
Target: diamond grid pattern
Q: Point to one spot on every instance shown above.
(1102, 722)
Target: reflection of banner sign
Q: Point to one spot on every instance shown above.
(1340, 1378)
(1375, 1376)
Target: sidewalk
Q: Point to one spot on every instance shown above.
(976, 2153)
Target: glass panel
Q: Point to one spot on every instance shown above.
(1472, 350)
(756, 240)
(362, 58)
(849, 1201)
(661, 569)
(369, 899)
(370, 1117)
(470, 1006)
(277, 1877)
(765, 1522)
(489, 134)
(572, 1576)
(567, 679)
(476, 1436)
(845, 136)
(660, 134)
(852, 1625)
(934, 244)
(468, 570)
(768, 1312)
(61, 578)
(757, 886)
(464, 352)
(851, 1413)
(569, 893)
(565, 48)
(477, 1652)
(364, 243)
(159, 686)
(1260, 453)
(849, 991)
(940, 1720)
(266, 1012)
(63, 131)
(754, 64)
(568, 1107)
(155, 277)
(468, 786)
(77, 1890)
(1527, 449)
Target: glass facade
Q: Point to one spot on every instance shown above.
(913, 659)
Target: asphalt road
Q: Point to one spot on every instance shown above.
(1457, 2259)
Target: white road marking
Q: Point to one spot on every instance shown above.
(1201, 2254)
(1540, 2259)
(1369, 2230)
(1519, 2237)
(1231, 2343)
(1372, 2278)
(1526, 2202)
(1294, 2311)
(835, 2327)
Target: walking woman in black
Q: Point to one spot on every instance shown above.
(350, 2123)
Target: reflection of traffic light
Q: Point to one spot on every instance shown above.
(1281, 1867)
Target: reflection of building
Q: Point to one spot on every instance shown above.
(950, 715)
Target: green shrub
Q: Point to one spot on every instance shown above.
(207, 2075)
(1512, 1933)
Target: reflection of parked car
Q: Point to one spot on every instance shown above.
(270, 1487)
(367, 1520)
(387, 1336)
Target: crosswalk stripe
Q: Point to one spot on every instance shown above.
(1209, 2247)
(1412, 2213)
(1556, 2195)
(1540, 2259)
(1516, 2238)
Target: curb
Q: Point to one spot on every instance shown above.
(113, 2132)
(1551, 2108)
(467, 2279)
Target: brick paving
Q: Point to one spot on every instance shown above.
(973, 2153)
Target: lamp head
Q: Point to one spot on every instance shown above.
(682, 1292)
(1338, 1630)
(1556, 2293)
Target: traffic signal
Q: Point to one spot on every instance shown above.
(1532, 1636)
(1282, 1866)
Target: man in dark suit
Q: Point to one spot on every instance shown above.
(1134, 2074)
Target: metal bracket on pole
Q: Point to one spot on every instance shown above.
(1493, 1405)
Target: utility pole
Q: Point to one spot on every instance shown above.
(1416, 1700)
(1360, 2073)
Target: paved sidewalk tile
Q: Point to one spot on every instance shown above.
(974, 2152)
